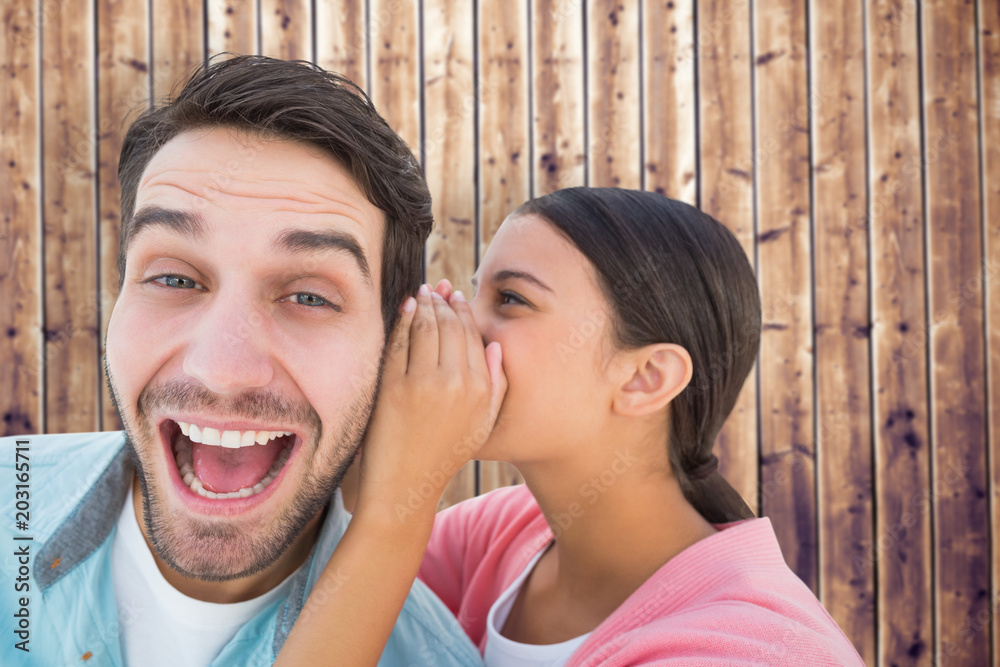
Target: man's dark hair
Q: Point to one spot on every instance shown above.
(299, 101)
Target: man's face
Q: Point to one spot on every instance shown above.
(250, 308)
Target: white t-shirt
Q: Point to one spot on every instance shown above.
(160, 626)
(502, 652)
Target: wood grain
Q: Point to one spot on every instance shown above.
(614, 130)
(725, 116)
(989, 49)
(842, 325)
(178, 34)
(558, 95)
(396, 81)
(232, 26)
(951, 153)
(122, 93)
(68, 148)
(342, 39)
(670, 111)
(286, 29)
(784, 264)
(504, 144)
(900, 551)
(22, 372)
(449, 129)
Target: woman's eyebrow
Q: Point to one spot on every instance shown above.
(506, 274)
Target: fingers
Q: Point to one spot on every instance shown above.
(444, 288)
(451, 336)
(424, 344)
(397, 358)
(473, 339)
(498, 380)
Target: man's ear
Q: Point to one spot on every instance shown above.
(655, 374)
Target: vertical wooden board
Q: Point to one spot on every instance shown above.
(989, 13)
(342, 39)
(786, 360)
(900, 552)
(842, 328)
(560, 157)
(232, 26)
(727, 177)
(504, 145)
(21, 373)
(951, 152)
(68, 149)
(669, 92)
(449, 161)
(286, 29)
(122, 93)
(614, 130)
(396, 83)
(178, 33)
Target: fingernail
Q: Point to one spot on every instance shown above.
(457, 295)
(435, 295)
(409, 304)
(424, 290)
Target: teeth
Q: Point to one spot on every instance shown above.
(182, 455)
(229, 439)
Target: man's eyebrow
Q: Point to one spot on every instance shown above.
(506, 274)
(304, 240)
(184, 223)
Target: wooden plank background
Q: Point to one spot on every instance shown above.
(852, 146)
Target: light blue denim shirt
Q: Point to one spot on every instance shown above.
(76, 486)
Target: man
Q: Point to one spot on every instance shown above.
(272, 224)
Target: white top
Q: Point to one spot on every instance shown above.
(502, 652)
(160, 626)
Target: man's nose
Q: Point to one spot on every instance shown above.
(227, 350)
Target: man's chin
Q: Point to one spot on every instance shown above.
(215, 558)
(220, 549)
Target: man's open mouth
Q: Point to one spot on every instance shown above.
(228, 464)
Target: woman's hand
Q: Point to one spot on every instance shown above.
(438, 400)
(440, 393)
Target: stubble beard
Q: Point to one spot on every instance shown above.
(215, 549)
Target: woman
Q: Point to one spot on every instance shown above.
(628, 323)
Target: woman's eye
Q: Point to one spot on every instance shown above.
(509, 298)
(175, 281)
(306, 299)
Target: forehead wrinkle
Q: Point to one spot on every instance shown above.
(319, 204)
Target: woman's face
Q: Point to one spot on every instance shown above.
(538, 296)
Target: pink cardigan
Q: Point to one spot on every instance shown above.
(730, 599)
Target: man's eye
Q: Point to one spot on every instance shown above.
(306, 299)
(175, 281)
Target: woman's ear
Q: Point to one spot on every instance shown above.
(655, 374)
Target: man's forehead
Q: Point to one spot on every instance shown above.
(203, 174)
